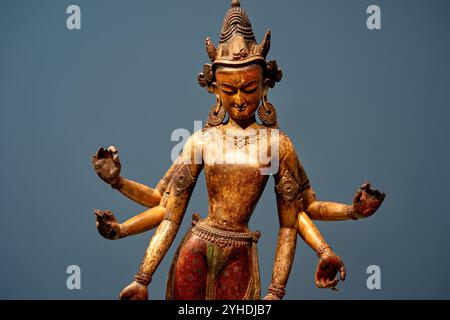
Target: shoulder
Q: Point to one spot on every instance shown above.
(196, 137)
(286, 146)
(196, 140)
(192, 149)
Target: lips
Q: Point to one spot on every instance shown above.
(241, 109)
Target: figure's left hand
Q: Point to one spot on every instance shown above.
(366, 201)
(134, 291)
(327, 269)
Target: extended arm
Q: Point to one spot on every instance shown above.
(366, 201)
(107, 165)
(111, 229)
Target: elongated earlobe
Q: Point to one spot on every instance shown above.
(216, 114)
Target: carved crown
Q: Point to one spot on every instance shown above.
(238, 46)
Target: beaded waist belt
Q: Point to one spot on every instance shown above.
(224, 238)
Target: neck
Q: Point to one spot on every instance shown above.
(242, 124)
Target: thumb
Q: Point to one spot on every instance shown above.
(357, 196)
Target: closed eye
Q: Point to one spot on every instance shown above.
(249, 89)
(228, 89)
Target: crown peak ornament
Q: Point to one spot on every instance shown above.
(235, 3)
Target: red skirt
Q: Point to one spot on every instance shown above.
(212, 264)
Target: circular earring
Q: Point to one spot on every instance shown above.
(216, 114)
(267, 113)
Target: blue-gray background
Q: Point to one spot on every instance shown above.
(358, 104)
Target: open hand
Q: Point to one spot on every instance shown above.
(107, 164)
(366, 201)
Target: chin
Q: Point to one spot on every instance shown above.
(241, 117)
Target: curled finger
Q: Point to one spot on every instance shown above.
(357, 197)
(366, 186)
(342, 272)
(112, 150)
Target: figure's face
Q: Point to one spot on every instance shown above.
(240, 90)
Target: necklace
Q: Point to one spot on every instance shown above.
(239, 140)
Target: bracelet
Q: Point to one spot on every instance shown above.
(322, 249)
(118, 184)
(143, 278)
(277, 290)
(350, 213)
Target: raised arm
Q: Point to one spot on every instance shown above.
(179, 192)
(107, 164)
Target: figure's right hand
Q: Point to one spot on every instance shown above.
(107, 165)
(107, 225)
(270, 296)
(135, 291)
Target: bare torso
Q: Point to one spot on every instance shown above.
(234, 183)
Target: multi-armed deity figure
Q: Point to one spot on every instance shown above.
(217, 259)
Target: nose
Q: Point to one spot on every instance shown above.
(239, 101)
